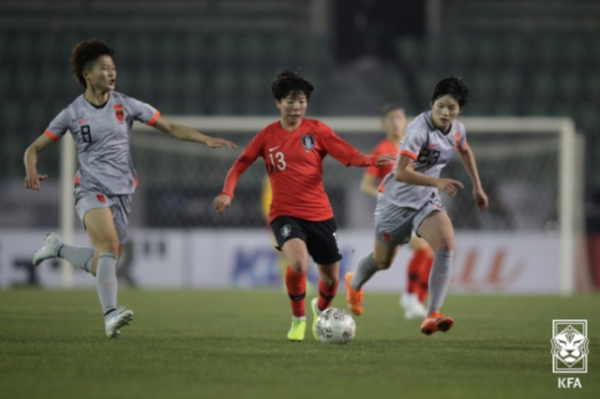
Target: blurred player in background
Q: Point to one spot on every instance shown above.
(100, 121)
(410, 199)
(394, 123)
(301, 216)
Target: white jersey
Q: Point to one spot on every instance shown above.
(431, 151)
(102, 136)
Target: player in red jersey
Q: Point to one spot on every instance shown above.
(301, 217)
(394, 123)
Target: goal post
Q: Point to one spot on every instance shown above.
(537, 134)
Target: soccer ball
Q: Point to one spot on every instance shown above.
(335, 326)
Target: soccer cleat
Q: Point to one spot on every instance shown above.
(436, 322)
(316, 312)
(49, 250)
(297, 330)
(413, 308)
(122, 318)
(354, 298)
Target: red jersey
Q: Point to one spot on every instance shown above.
(384, 147)
(294, 161)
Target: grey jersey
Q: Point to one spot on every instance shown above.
(431, 151)
(102, 136)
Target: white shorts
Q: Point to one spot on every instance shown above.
(120, 205)
(395, 225)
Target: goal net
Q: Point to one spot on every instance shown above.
(527, 167)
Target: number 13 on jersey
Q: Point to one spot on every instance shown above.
(278, 161)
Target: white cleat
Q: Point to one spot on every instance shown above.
(121, 318)
(413, 308)
(49, 250)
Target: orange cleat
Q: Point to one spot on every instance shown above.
(436, 322)
(354, 298)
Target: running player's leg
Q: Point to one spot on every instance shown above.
(295, 280)
(291, 237)
(437, 230)
(322, 245)
(381, 258)
(418, 266)
(80, 257)
(328, 283)
(107, 228)
(418, 244)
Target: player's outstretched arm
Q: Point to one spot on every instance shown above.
(247, 158)
(350, 156)
(368, 186)
(468, 160)
(405, 173)
(33, 179)
(181, 132)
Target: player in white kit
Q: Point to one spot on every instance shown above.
(410, 199)
(100, 122)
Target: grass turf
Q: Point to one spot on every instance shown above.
(216, 344)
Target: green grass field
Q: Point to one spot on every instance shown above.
(208, 344)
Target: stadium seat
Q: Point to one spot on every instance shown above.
(569, 85)
(410, 51)
(587, 117)
(434, 52)
(225, 48)
(591, 86)
(513, 51)
(281, 50)
(224, 82)
(252, 48)
(310, 52)
(485, 51)
(542, 85)
(458, 51)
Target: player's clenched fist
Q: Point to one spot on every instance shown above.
(449, 186)
(385, 159)
(222, 202)
(32, 181)
(481, 200)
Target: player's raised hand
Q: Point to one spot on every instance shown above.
(449, 186)
(481, 200)
(217, 143)
(222, 202)
(32, 181)
(385, 159)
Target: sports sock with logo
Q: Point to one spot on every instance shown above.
(296, 287)
(106, 282)
(439, 280)
(80, 257)
(326, 294)
(365, 270)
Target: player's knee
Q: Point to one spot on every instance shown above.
(330, 280)
(109, 244)
(299, 264)
(383, 264)
(446, 242)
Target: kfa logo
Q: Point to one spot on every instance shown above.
(308, 142)
(569, 383)
(286, 230)
(569, 346)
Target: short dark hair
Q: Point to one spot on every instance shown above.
(389, 107)
(453, 86)
(85, 52)
(290, 82)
